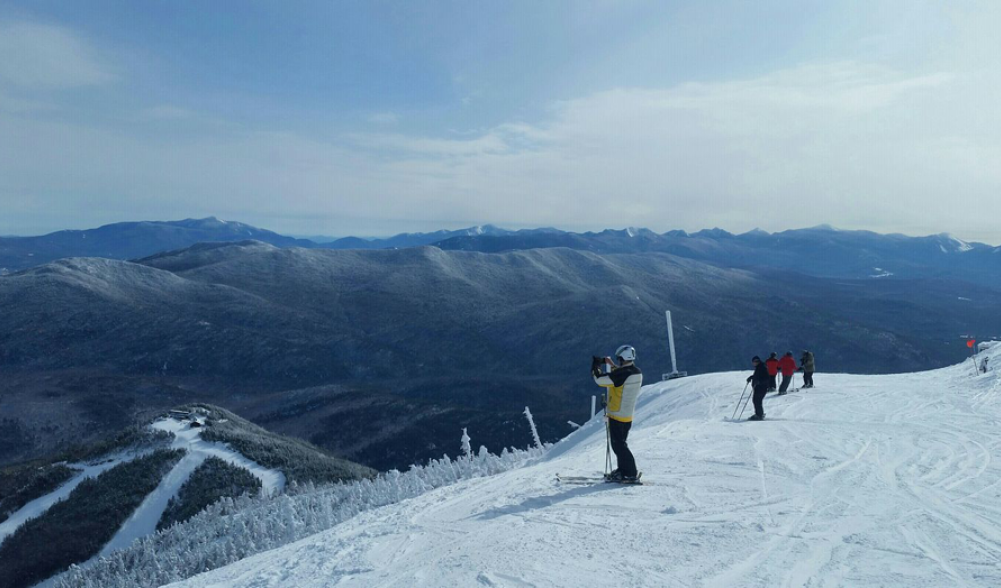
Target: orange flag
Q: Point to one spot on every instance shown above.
(969, 343)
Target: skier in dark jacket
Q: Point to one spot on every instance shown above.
(787, 365)
(759, 383)
(773, 369)
(807, 365)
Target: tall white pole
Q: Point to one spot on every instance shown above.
(670, 340)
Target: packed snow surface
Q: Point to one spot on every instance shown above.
(862, 481)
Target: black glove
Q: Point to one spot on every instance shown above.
(749, 378)
(596, 365)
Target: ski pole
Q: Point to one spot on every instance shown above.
(739, 401)
(745, 405)
(608, 440)
(608, 449)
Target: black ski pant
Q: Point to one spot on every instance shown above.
(771, 384)
(808, 379)
(759, 397)
(785, 383)
(618, 432)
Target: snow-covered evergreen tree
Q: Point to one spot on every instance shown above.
(236, 528)
(535, 432)
(467, 451)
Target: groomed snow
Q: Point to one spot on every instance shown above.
(863, 481)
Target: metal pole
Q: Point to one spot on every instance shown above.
(670, 340)
(745, 404)
(594, 400)
(739, 401)
(608, 443)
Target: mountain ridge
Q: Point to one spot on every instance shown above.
(821, 250)
(389, 345)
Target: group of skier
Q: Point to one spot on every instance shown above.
(623, 381)
(762, 381)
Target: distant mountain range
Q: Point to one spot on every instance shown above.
(131, 240)
(819, 251)
(404, 240)
(382, 356)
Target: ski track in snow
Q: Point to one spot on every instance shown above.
(863, 481)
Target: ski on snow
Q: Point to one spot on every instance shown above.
(591, 480)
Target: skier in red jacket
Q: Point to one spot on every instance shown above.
(788, 367)
(773, 369)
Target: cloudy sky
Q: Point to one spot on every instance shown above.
(372, 118)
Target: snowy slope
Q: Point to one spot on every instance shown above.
(864, 481)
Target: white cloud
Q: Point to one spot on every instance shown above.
(848, 144)
(845, 143)
(47, 56)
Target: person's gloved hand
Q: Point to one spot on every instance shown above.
(749, 378)
(596, 365)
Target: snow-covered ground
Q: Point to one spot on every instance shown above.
(863, 481)
(143, 521)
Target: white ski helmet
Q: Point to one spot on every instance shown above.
(626, 353)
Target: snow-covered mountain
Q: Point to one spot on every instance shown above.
(818, 251)
(302, 340)
(404, 240)
(75, 511)
(131, 239)
(862, 481)
(821, 251)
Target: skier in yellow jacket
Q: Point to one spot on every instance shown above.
(623, 385)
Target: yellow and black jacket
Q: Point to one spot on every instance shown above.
(623, 385)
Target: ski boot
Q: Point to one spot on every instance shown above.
(631, 479)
